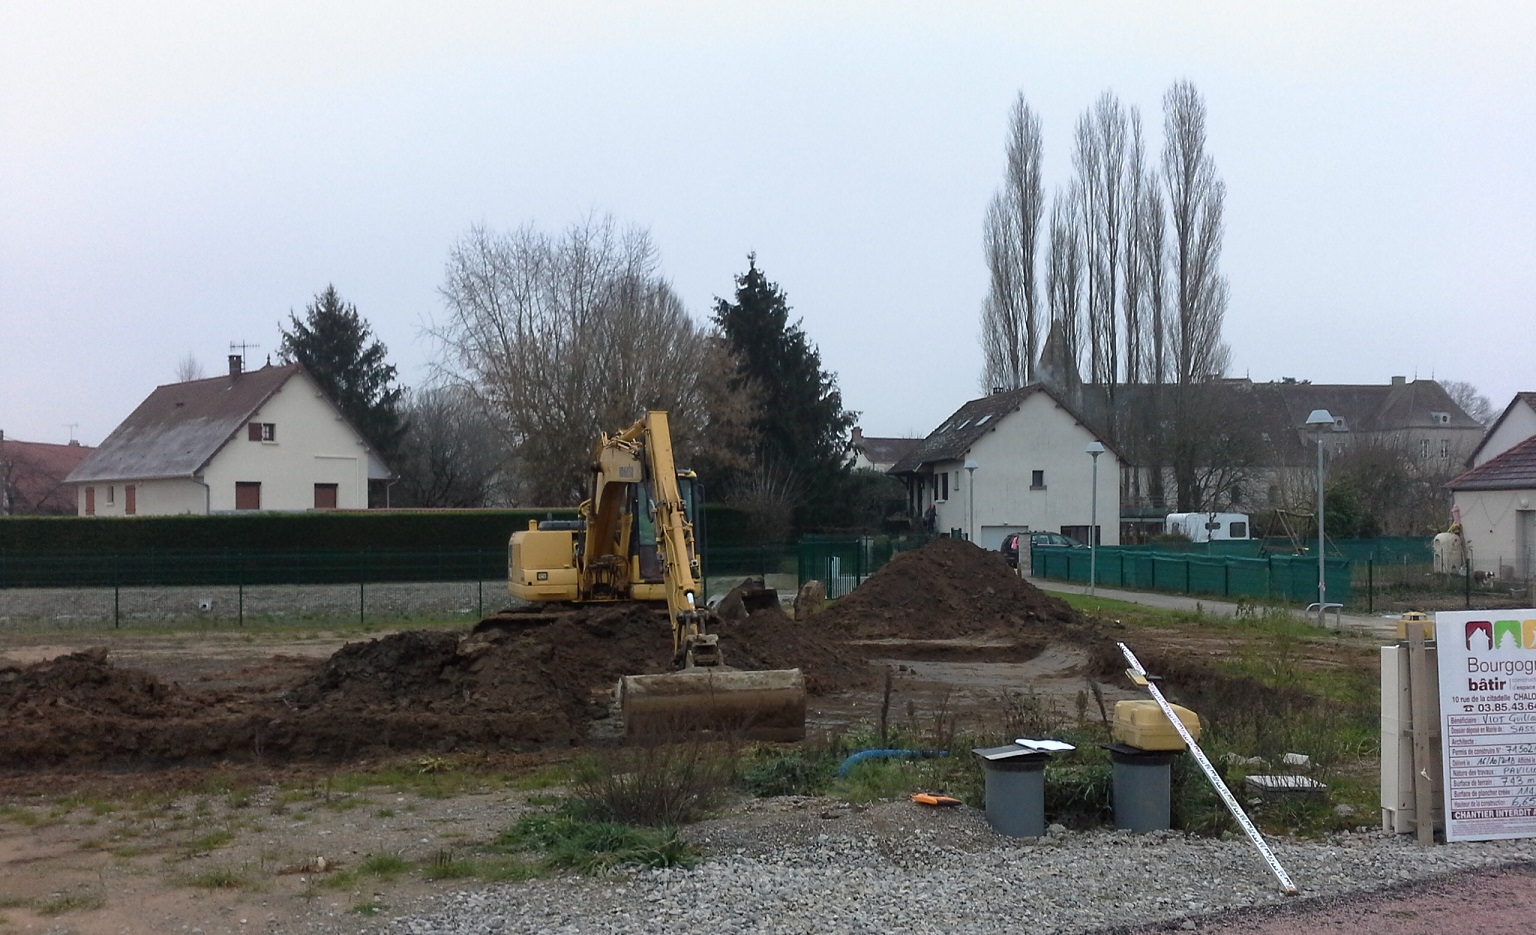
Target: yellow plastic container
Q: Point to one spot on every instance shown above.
(1415, 616)
(1143, 724)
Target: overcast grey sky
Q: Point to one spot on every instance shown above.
(175, 176)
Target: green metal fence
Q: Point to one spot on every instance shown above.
(1274, 577)
(842, 563)
(155, 568)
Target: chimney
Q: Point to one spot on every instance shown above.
(236, 364)
(858, 434)
(1399, 381)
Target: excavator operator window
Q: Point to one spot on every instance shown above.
(646, 549)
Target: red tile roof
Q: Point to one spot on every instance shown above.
(35, 472)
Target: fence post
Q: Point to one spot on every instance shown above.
(240, 587)
(480, 584)
(1370, 585)
(117, 586)
(362, 577)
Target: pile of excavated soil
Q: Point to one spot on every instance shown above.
(533, 683)
(948, 588)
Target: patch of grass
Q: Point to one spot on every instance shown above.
(446, 866)
(547, 777)
(369, 908)
(217, 878)
(79, 901)
(384, 813)
(656, 784)
(209, 841)
(384, 866)
(801, 770)
(25, 817)
(569, 842)
(11, 901)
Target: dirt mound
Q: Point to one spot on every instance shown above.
(86, 683)
(771, 639)
(948, 588)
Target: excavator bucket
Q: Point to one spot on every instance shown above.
(761, 705)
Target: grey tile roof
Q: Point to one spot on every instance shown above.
(951, 440)
(1514, 469)
(881, 450)
(181, 426)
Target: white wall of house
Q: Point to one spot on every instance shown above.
(1500, 528)
(1039, 436)
(1516, 427)
(163, 497)
(312, 445)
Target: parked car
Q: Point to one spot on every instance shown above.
(1043, 540)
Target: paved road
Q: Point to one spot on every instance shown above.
(1384, 628)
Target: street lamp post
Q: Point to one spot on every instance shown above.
(1318, 419)
(970, 482)
(1095, 448)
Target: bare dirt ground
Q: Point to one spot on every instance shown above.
(219, 781)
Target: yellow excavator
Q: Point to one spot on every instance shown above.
(633, 540)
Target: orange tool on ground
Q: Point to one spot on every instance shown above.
(928, 798)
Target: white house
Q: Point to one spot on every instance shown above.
(1025, 453)
(1496, 499)
(1514, 425)
(879, 454)
(266, 439)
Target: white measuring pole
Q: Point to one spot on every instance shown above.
(1139, 676)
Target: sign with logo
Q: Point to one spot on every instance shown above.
(1488, 722)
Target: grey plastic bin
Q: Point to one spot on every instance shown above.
(1143, 782)
(1015, 779)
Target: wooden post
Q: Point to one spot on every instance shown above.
(1419, 688)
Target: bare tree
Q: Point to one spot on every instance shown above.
(1010, 314)
(1151, 232)
(1134, 249)
(1064, 284)
(188, 369)
(1196, 195)
(451, 455)
(1473, 403)
(1099, 157)
(561, 339)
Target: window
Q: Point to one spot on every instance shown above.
(261, 431)
(1036, 480)
(111, 495)
(944, 486)
(247, 495)
(130, 500)
(1239, 530)
(325, 496)
(90, 501)
(1423, 447)
(1445, 449)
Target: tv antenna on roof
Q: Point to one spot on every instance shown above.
(242, 346)
(71, 426)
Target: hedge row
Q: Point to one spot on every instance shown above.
(379, 530)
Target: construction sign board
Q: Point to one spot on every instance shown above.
(1488, 723)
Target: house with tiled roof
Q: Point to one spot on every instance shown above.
(32, 477)
(873, 453)
(1496, 502)
(1260, 430)
(1514, 425)
(266, 439)
(1013, 461)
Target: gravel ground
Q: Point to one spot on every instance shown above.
(812, 866)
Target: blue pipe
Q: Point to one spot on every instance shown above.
(863, 755)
